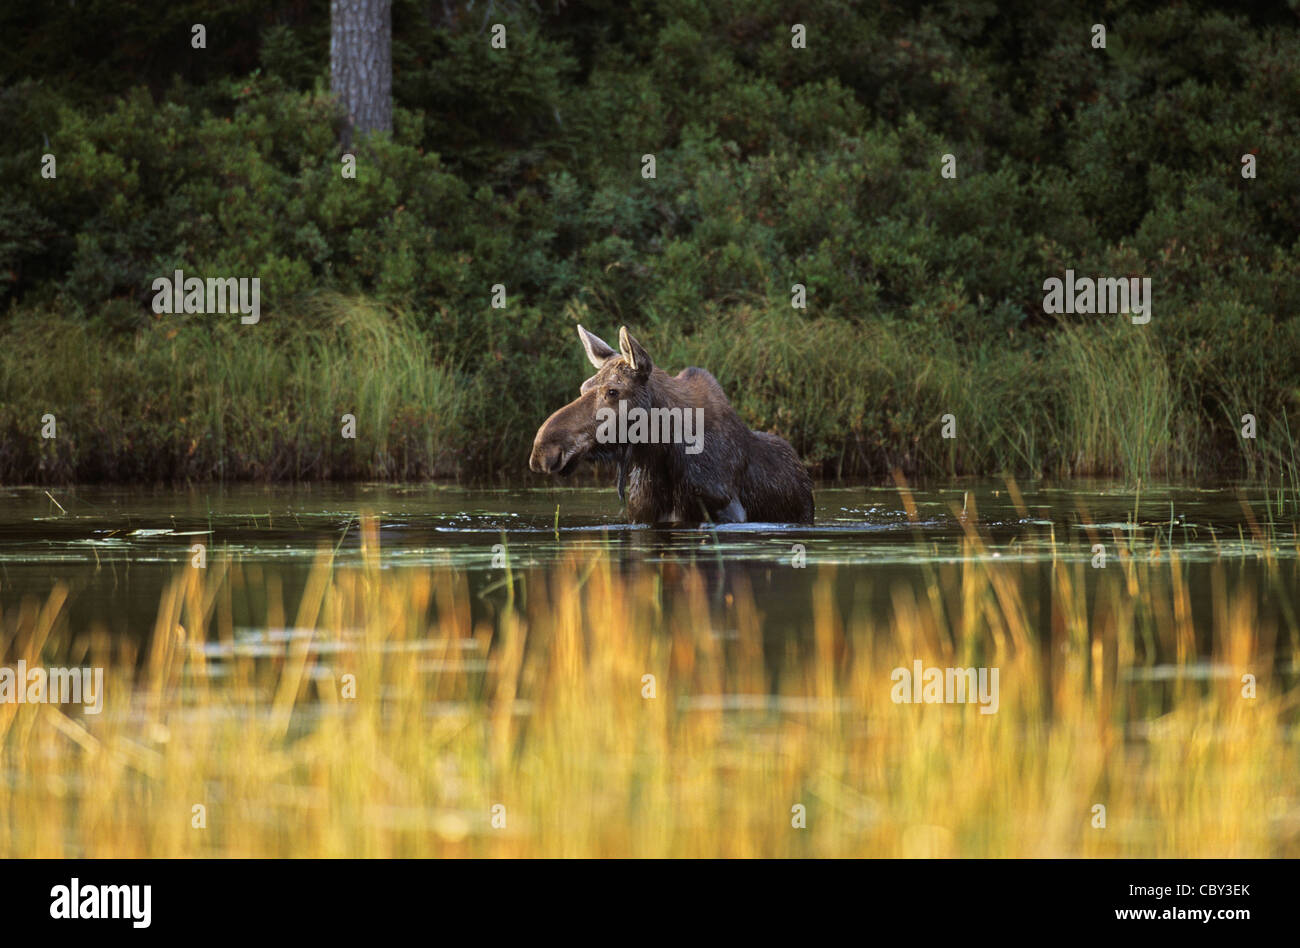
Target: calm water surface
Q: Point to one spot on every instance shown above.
(116, 547)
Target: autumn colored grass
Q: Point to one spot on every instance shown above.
(535, 732)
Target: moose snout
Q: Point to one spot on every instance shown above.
(548, 450)
(545, 458)
(562, 441)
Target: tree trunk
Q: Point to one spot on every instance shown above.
(361, 64)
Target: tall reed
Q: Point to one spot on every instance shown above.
(536, 732)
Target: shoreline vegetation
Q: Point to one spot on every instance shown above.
(855, 235)
(200, 399)
(391, 723)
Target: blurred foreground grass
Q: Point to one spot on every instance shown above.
(541, 710)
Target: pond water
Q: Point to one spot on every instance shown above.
(117, 547)
(1161, 682)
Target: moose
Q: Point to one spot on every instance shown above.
(722, 472)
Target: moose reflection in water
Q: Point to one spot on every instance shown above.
(714, 469)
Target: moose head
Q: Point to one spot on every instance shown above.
(570, 435)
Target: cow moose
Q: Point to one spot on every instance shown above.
(686, 457)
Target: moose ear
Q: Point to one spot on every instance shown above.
(598, 350)
(637, 358)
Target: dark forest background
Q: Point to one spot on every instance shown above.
(775, 166)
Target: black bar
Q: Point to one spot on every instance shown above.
(307, 898)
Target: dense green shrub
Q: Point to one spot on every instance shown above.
(775, 166)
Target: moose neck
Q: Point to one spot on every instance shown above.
(653, 473)
(661, 456)
(663, 392)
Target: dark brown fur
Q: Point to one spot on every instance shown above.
(739, 475)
